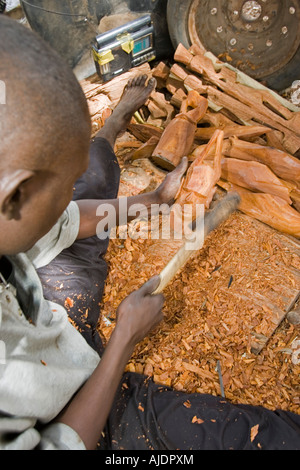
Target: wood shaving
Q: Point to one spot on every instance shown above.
(205, 321)
(229, 302)
(254, 432)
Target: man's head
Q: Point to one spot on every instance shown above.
(44, 137)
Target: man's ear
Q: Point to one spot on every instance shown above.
(12, 192)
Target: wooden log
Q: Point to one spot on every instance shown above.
(160, 102)
(218, 120)
(144, 132)
(250, 92)
(294, 193)
(157, 122)
(178, 97)
(179, 72)
(295, 196)
(182, 55)
(146, 150)
(187, 80)
(254, 176)
(176, 142)
(284, 165)
(268, 209)
(280, 168)
(155, 110)
(206, 133)
(275, 139)
(239, 112)
(161, 73)
(247, 103)
(173, 84)
(194, 83)
(178, 137)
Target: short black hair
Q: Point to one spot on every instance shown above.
(43, 95)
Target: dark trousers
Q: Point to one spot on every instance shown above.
(146, 415)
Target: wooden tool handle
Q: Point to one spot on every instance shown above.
(212, 220)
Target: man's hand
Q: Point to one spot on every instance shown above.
(168, 189)
(164, 194)
(88, 410)
(139, 313)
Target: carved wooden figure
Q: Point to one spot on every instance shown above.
(199, 186)
(178, 138)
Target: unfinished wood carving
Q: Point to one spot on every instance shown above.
(285, 166)
(199, 186)
(178, 138)
(254, 176)
(272, 210)
(251, 106)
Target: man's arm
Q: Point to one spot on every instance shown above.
(87, 413)
(164, 194)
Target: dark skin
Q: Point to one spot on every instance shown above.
(32, 197)
(134, 96)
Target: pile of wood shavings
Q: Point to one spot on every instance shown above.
(210, 315)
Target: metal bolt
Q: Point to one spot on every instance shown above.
(251, 10)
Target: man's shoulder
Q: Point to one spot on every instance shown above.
(61, 236)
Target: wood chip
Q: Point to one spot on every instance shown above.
(254, 432)
(197, 420)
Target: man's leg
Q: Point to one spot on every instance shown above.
(76, 278)
(148, 416)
